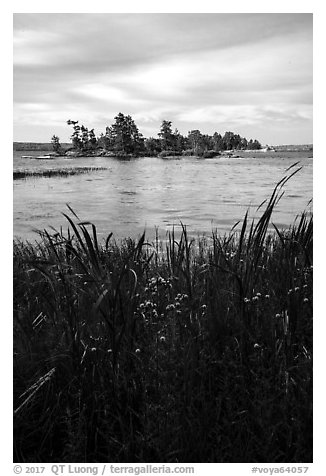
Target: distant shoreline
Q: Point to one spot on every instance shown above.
(47, 146)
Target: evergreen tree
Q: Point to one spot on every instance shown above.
(124, 137)
(179, 141)
(56, 144)
(76, 136)
(196, 141)
(166, 136)
(152, 146)
(92, 141)
(217, 142)
(84, 137)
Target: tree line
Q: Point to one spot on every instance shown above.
(123, 138)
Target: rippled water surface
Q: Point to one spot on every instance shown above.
(145, 193)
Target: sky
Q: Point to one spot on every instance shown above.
(247, 73)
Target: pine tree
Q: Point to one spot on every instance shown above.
(56, 144)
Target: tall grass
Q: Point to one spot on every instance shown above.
(183, 351)
(62, 172)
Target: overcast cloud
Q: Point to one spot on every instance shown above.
(249, 73)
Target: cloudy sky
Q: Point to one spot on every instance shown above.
(248, 73)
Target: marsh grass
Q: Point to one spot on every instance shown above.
(63, 172)
(183, 351)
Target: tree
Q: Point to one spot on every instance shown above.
(254, 145)
(56, 144)
(166, 136)
(92, 141)
(76, 136)
(217, 142)
(244, 143)
(123, 136)
(207, 142)
(152, 146)
(82, 138)
(228, 140)
(196, 141)
(179, 141)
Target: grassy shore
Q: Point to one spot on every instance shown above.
(183, 351)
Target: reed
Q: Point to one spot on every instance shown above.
(187, 351)
(63, 172)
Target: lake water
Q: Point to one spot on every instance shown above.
(145, 193)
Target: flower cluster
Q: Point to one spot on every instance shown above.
(178, 303)
(256, 298)
(147, 310)
(154, 283)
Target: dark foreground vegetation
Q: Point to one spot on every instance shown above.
(180, 351)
